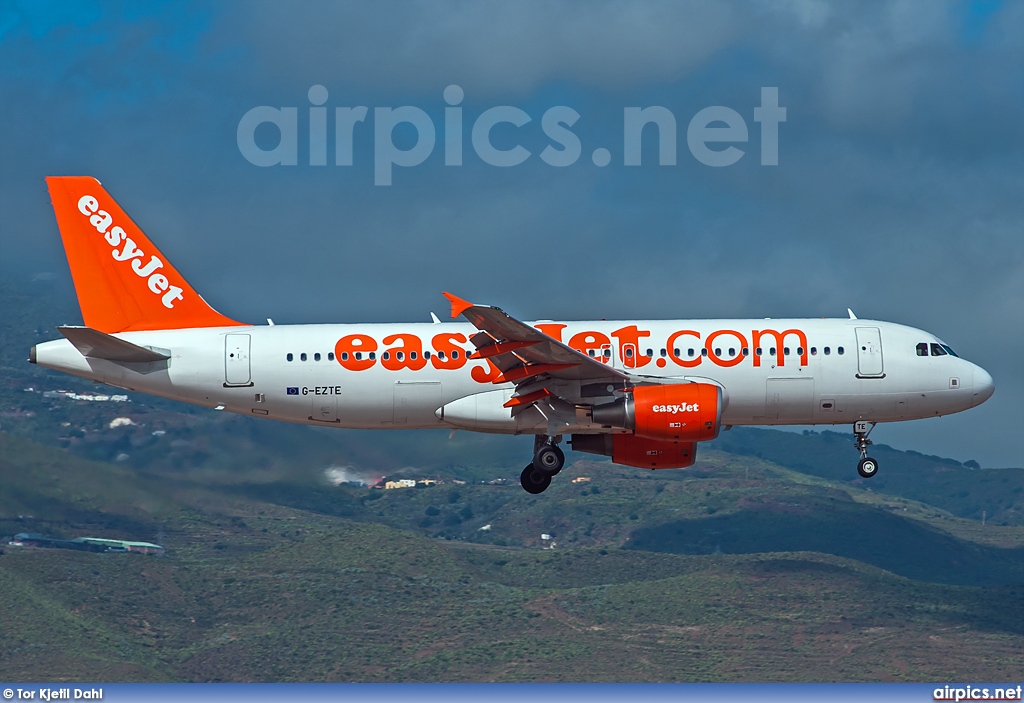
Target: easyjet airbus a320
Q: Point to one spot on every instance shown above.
(643, 392)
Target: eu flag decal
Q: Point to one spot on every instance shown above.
(293, 390)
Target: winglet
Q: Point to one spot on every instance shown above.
(459, 305)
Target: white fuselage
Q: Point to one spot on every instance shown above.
(826, 371)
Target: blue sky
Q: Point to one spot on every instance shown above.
(899, 190)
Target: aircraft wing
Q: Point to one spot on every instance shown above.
(528, 357)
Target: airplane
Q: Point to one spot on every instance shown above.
(642, 392)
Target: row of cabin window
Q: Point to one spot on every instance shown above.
(718, 352)
(936, 349)
(371, 355)
(922, 350)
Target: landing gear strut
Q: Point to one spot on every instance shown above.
(548, 460)
(866, 467)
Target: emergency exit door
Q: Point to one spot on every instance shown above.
(869, 353)
(236, 360)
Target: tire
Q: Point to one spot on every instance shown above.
(534, 480)
(549, 459)
(867, 467)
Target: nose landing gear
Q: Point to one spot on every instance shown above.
(548, 460)
(866, 467)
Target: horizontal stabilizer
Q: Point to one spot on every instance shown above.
(97, 345)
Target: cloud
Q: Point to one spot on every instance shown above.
(489, 47)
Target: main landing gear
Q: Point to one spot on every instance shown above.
(866, 467)
(548, 460)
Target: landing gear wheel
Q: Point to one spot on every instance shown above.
(534, 480)
(549, 459)
(867, 467)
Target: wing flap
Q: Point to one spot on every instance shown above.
(511, 344)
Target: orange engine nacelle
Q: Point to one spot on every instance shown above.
(684, 412)
(630, 450)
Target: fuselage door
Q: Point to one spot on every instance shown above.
(416, 401)
(236, 360)
(789, 400)
(869, 353)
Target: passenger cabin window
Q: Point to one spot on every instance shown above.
(650, 352)
(785, 350)
(330, 356)
(704, 352)
(732, 351)
(922, 349)
(840, 350)
(373, 355)
(629, 352)
(718, 352)
(664, 352)
(359, 355)
(316, 356)
(607, 353)
(302, 356)
(426, 353)
(814, 351)
(800, 351)
(385, 356)
(344, 356)
(937, 350)
(290, 357)
(772, 351)
(827, 351)
(746, 351)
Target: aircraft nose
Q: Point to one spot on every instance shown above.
(983, 386)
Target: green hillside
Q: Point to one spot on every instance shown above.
(998, 494)
(267, 581)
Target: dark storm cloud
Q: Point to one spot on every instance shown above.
(898, 193)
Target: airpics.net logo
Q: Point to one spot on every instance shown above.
(715, 136)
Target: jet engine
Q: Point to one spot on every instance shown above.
(630, 450)
(683, 412)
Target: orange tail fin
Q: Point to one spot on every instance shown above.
(123, 282)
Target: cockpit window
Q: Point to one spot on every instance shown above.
(951, 352)
(937, 350)
(922, 349)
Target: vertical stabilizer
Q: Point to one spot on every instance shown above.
(123, 282)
